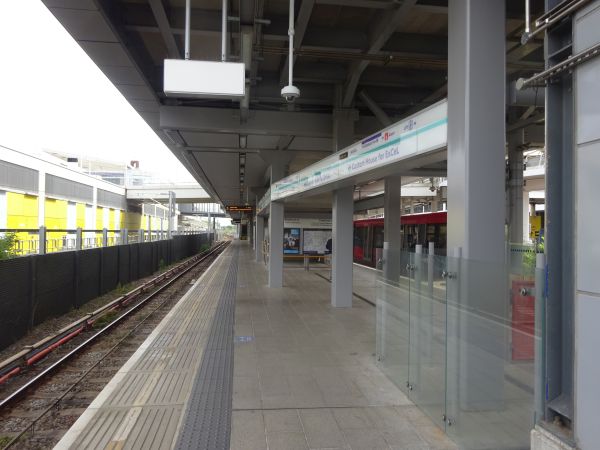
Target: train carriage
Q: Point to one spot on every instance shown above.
(414, 229)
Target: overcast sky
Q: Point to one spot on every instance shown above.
(54, 97)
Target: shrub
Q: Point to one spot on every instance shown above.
(7, 246)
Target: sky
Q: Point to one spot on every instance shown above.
(54, 97)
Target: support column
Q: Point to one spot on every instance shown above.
(587, 243)
(276, 211)
(391, 228)
(476, 199)
(515, 194)
(42, 198)
(250, 232)
(341, 261)
(525, 215)
(260, 230)
(172, 214)
(276, 245)
(476, 128)
(343, 127)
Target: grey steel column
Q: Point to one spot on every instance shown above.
(341, 266)
(276, 211)
(78, 239)
(42, 240)
(250, 232)
(476, 128)
(515, 191)
(391, 228)
(276, 245)
(587, 217)
(476, 199)
(260, 230)
(342, 211)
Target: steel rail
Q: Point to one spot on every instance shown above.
(27, 357)
(57, 400)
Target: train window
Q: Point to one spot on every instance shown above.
(368, 244)
(362, 244)
(378, 237)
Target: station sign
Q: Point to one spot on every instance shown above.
(238, 208)
(423, 132)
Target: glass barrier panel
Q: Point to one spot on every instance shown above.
(392, 330)
(521, 261)
(489, 398)
(427, 353)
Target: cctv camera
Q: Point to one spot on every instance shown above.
(290, 93)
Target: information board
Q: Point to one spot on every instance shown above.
(315, 241)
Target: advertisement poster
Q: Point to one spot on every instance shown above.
(315, 241)
(291, 241)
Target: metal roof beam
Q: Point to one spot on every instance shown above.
(213, 120)
(371, 4)
(375, 109)
(300, 29)
(388, 24)
(165, 28)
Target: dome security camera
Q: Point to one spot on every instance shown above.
(290, 93)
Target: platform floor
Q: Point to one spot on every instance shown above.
(304, 373)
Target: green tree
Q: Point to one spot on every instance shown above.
(7, 246)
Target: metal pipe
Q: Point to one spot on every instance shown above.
(539, 333)
(291, 43)
(567, 64)
(224, 32)
(548, 22)
(188, 13)
(527, 19)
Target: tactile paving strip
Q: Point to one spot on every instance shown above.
(207, 420)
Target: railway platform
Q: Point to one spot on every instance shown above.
(238, 365)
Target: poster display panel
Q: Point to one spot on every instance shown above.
(291, 241)
(315, 241)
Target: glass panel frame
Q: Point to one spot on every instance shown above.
(427, 357)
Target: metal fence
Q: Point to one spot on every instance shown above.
(34, 288)
(27, 241)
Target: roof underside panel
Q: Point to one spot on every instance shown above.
(393, 53)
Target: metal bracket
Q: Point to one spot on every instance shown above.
(449, 275)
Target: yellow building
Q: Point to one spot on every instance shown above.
(36, 191)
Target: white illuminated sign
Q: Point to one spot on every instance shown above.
(204, 79)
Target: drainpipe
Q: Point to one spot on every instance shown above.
(187, 28)
(224, 32)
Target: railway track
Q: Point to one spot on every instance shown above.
(46, 387)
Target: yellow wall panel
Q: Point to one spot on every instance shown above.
(80, 215)
(22, 211)
(132, 221)
(55, 219)
(56, 214)
(99, 218)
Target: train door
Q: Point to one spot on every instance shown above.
(363, 248)
(378, 237)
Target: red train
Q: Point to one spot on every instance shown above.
(414, 229)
